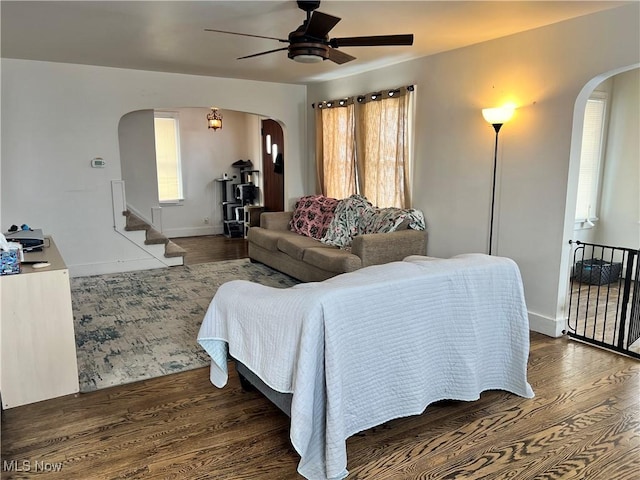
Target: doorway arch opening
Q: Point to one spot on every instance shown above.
(615, 219)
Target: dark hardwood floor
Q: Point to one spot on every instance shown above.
(584, 423)
(211, 248)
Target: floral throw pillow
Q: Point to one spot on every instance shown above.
(312, 215)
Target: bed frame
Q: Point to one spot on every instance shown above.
(251, 381)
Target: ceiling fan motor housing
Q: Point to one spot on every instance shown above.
(306, 49)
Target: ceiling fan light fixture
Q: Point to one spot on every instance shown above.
(307, 58)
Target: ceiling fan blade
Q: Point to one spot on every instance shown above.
(374, 41)
(263, 53)
(339, 57)
(246, 35)
(320, 24)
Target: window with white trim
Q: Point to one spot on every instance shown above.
(168, 165)
(591, 158)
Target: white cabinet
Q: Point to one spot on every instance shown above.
(38, 356)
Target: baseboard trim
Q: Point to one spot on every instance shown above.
(545, 325)
(88, 269)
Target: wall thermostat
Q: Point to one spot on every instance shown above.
(98, 163)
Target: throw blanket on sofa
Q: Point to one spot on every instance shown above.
(357, 216)
(379, 343)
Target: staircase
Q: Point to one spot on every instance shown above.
(151, 240)
(141, 233)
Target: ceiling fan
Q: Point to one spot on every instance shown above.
(310, 42)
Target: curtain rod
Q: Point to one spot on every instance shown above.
(361, 98)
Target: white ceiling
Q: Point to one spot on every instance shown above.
(169, 36)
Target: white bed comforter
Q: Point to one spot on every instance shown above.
(379, 343)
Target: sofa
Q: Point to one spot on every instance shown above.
(311, 258)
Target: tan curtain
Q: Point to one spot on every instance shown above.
(335, 151)
(383, 148)
(320, 187)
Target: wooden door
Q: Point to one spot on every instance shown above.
(273, 161)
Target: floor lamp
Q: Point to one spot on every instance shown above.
(496, 117)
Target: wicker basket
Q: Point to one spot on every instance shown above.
(597, 272)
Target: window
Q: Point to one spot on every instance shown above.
(362, 147)
(591, 157)
(168, 164)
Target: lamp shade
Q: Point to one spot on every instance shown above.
(499, 115)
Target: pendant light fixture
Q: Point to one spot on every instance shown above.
(214, 119)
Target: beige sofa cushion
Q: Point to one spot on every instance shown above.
(294, 245)
(267, 239)
(275, 220)
(332, 259)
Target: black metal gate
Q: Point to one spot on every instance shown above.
(604, 301)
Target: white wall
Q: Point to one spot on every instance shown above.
(136, 139)
(582, 231)
(206, 155)
(619, 224)
(542, 71)
(57, 117)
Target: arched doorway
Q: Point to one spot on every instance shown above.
(574, 171)
(609, 228)
(273, 162)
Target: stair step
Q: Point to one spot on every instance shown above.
(173, 250)
(134, 222)
(154, 237)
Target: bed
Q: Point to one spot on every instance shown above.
(365, 347)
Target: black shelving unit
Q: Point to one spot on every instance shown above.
(243, 192)
(232, 227)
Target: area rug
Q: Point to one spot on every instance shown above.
(138, 325)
